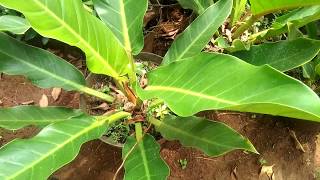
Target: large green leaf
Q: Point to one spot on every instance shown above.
(213, 138)
(44, 69)
(299, 17)
(53, 147)
(14, 24)
(283, 55)
(125, 19)
(217, 81)
(197, 5)
(21, 116)
(69, 22)
(262, 7)
(308, 70)
(199, 33)
(144, 161)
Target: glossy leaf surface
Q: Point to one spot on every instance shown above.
(211, 137)
(308, 70)
(53, 147)
(21, 116)
(216, 81)
(14, 24)
(199, 33)
(44, 69)
(197, 5)
(262, 7)
(283, 55)
(144, 161)
(125, 19)
(69, 22)
(298, 16)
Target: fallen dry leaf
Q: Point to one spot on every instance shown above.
(103, 106)
(177, 15)
(1, 103)
(170, 29)
(297, 142)
(267, 170)
(108, 113)
(130, 94)
(129, 106)
(148, 17)
(44, 102)
(120, 97)
(234, 173)
(27, 102)
(55, 93)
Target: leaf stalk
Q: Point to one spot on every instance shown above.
(245, 26)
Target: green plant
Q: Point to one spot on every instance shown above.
(188, 81)
(118, 133)
(183, 163)
(317, 174)
(262, 161)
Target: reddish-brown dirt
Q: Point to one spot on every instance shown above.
(270, 135)
(15, 90)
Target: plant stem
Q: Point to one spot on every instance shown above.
(114, 117)
(98, 94)
(154, 121)
(245, 26)
(155, 103)
(139, 133)
(119, 84)
(132, 71)
(117, 116)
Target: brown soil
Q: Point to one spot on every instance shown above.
(270, 135)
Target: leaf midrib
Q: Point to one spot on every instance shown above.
(78, 36)
(198, 37)
(161, 123)
(195, 94)
(58, 147)
(75, 85)
(201, 8)
(145, 160)
(189, 92)
(124, 25)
